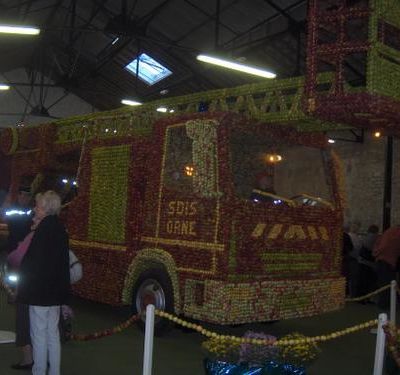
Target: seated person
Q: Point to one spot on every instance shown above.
(264, 191)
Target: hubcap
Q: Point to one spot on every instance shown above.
(150, 292)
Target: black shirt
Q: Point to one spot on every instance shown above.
(44, 271)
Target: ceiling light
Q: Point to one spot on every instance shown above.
(377, 134)
(273, 158)
(7, 29)
(162, 109)
(130, 102)
(236, 66)
(330, 140)
(4, 87)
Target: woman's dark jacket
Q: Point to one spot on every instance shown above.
(44, 272)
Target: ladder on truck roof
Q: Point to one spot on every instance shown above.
(361, 39)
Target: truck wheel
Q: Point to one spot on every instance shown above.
(153, 287)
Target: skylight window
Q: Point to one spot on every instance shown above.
(150, 70)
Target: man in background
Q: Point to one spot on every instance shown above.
(387, 254)
(18, 218)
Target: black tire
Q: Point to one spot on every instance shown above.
(154, 286)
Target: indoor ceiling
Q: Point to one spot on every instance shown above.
(85, 45)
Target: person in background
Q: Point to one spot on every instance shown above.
(18, 218)
(45, 283)
(367, 261)
(346, 259)
(354, 267)
(387, 253)
(22, 325)
(263, 183)
(356, 239)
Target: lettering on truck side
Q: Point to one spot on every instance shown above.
(179, 225)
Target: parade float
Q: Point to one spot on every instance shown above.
(162, 208)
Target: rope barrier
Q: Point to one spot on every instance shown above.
(269, 342)
(107, 332)
(366, 296)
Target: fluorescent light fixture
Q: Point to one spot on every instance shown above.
(236, 66)
(115, 41)
(165, 110)
(130, 102)
(4, 87)
(17, 212)
(150, 70)
(8, 29)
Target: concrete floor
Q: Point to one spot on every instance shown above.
(180, 353)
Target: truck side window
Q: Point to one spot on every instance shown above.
(62, 183)
(179, 169)
(191, 158)
(60, 176)
(278, 169)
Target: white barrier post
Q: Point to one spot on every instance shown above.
(380, 345)
(148, 341)
(393, 301)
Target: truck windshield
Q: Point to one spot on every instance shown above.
(272, 171)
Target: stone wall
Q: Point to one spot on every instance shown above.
(364, 169)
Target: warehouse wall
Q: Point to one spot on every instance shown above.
(364, 169)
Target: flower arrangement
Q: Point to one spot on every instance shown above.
(222, 350)
(255, 355)
(299, 353)
(243, 357)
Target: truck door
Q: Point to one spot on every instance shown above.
(187, 221)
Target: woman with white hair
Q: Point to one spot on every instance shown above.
(45, 282)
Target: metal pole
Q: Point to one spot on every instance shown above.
(148, 341)
(393, 301)
(380, 345)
